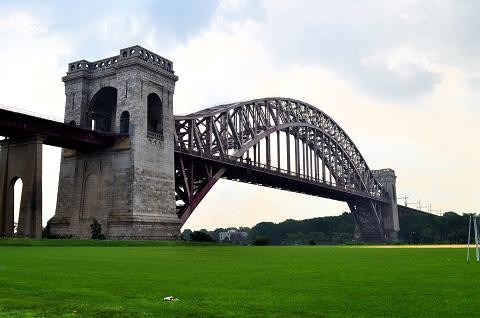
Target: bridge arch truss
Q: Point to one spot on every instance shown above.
(292, 140)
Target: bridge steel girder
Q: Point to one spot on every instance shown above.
(224, 136)
(17, 125)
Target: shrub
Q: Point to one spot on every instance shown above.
(96, 230)
(46, 231)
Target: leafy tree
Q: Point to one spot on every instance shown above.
(261, 240)
(421, 227)
(186, 234)
(428, 228)
(201, 236)
(296, 238)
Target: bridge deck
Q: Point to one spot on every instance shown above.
(280, 179)
(17, 125)
(405, 211)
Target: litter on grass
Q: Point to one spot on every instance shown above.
(170, 298)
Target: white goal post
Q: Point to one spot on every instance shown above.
(475, 230)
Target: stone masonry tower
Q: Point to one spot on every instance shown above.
(128, 187)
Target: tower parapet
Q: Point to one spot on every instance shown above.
(133, 54)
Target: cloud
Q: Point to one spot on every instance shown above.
(400, 77)
(341, 35)
(406, 113)
(20, 24)
(30, 56)
(30, 60)
(401, 74)
(231, 5)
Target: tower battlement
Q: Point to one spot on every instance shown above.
(387, 179)
(134, 54)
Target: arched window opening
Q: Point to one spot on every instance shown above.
(154, 114)
(102, 109)
(17, 201)
(124, 122)
(72, 123)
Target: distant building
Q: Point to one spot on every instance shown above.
(233, 236)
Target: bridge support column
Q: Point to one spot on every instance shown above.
(390, 220)
(368, 226)
(377, 221)
(128, 187)
(21, 159)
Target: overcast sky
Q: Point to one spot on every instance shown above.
(402, 78)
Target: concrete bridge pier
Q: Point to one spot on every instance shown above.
(21, 159)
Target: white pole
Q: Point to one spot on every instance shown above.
(468, 246)
(475, 228)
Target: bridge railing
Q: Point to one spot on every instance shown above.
(30, 113)
(272, 169)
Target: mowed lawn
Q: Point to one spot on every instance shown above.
(235, 281)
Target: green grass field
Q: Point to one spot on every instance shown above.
(126, 279)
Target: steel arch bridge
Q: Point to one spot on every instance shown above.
(286, 144)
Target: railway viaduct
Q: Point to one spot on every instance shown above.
(141, 171)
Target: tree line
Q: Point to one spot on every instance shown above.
(415, 228)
